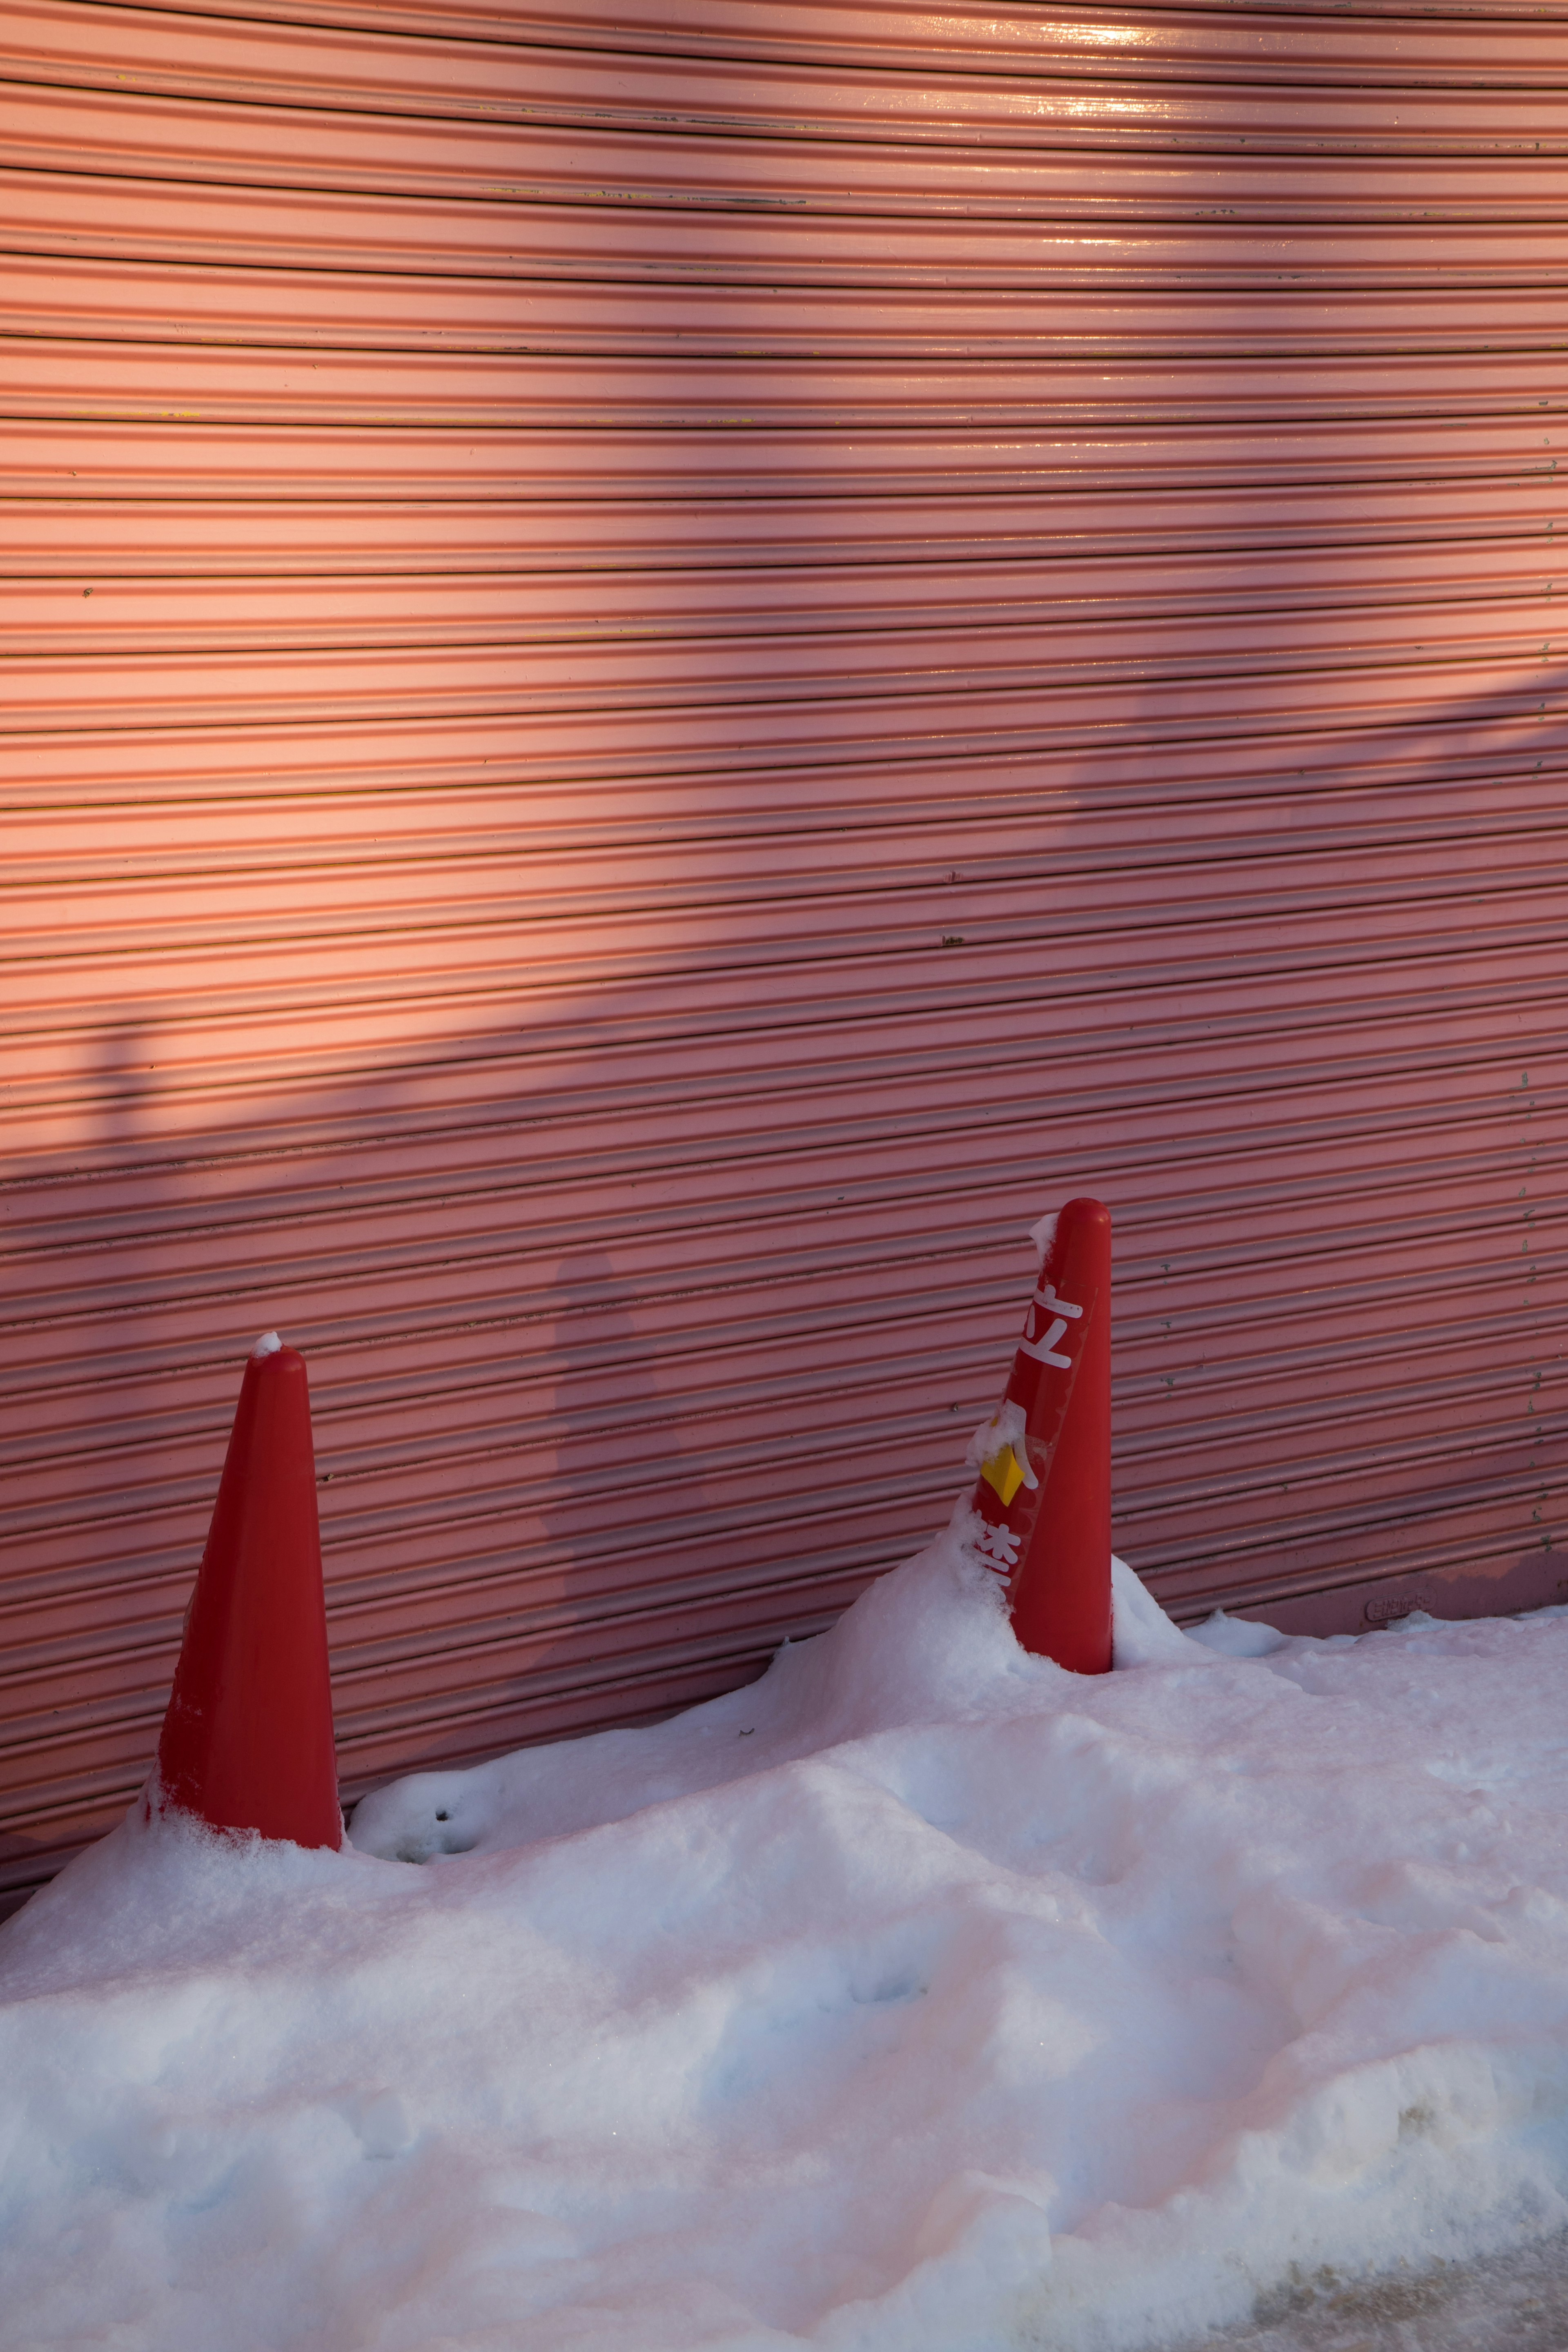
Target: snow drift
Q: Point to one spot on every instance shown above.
(921, 1997)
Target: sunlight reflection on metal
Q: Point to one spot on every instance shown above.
(1076, 35)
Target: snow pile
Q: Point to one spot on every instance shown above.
(921, 1997)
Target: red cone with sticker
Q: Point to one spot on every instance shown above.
(247, 1741)
(1043, 1497)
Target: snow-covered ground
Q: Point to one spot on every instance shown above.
(921, 1997)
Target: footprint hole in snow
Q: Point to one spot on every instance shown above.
(432, 1844)
(380, 2122)
(903, 1985)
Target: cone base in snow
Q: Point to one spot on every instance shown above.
(1043, 1496)
(246, 1743)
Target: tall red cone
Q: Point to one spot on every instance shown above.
(1043, 1496)
(248, 1740)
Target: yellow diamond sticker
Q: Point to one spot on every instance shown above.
(1003, 1472)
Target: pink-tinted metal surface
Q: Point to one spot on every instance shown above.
(670, 665)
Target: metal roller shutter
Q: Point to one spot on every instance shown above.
(670, 664)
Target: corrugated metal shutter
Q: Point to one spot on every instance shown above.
(669, 666)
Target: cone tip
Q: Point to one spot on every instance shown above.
(270, 1344)
(1080, 1210)
(1042, 1232)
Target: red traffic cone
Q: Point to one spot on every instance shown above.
(1043, 1497)
(248, 1740)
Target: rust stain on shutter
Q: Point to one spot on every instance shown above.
(669, 666)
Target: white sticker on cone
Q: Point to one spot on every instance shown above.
(1042, 1347)
(997, 1547)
